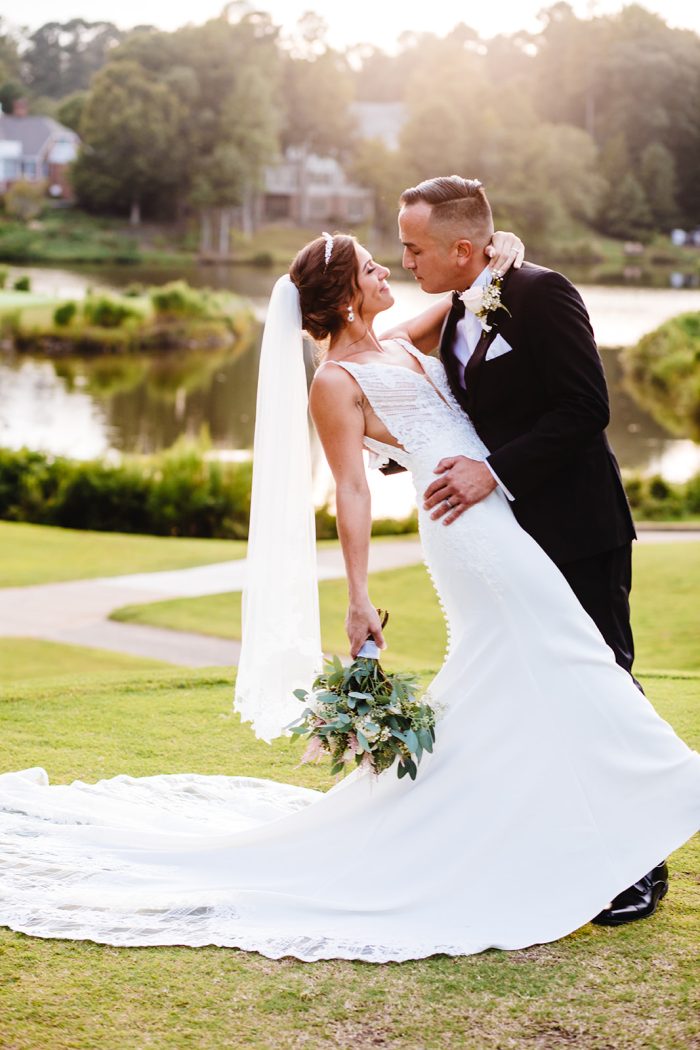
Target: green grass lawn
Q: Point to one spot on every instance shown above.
(88, 715)
(28, 659)
(623, 989)
(664, 607)
(44, 554)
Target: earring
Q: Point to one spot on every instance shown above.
(351, 315)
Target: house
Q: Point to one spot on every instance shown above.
(37, 149)
(308, 190)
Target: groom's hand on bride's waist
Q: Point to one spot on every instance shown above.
(462, 482)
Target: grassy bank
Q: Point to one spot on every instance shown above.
(30, 661)
(32, 554)
(662, 371)
(598, 988)
(72, 236)
(171, 317)
(87, 715)
(68, 236)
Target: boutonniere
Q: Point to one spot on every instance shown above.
(484, 301)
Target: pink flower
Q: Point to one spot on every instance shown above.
(314, 751)
(353, 745)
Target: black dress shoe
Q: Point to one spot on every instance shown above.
(637, 902)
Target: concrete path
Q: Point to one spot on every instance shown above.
(77, 613)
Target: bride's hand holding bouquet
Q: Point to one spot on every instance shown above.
(360, 715)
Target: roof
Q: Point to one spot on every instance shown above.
(34, 133)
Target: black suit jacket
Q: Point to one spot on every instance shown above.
(542, 409)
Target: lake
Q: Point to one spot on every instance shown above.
(104, 407)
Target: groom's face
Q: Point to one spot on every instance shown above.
(437, 264)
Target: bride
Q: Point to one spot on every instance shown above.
(553, 785)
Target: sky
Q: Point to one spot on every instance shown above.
(349, 21)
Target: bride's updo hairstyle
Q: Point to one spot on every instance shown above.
(325, 289)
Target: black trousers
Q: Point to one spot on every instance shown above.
(602, 584)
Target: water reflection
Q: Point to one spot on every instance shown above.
(85, 408)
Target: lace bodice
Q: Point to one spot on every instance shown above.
(419, 410)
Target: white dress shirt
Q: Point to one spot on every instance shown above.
(467, 335)
(468, 331)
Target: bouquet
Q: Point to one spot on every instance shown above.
(361, 715)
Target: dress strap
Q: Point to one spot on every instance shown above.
(413, 350)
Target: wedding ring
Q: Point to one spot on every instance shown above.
(450, 505)
(498, 273)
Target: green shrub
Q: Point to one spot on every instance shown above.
(178, 300)
(655, 499)
(263, 258)
(662, 372)
(64, 314)
(395, 526)
(177, 493)
(23, 284)
(25, 200)
(182, 493)
(10, 323)
(4, 274)
(107, 313)
(583, 253)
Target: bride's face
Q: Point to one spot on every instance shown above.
(375, 294)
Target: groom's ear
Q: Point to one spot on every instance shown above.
(465, 251)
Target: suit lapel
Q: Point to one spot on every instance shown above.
(475, 363)
(450, 362)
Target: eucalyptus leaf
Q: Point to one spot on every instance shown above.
(426, 739)
(411, 740)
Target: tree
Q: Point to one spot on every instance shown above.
(62, 57)
(448, 123)
(383, 171)
(10, 92)
(129, 129)
(657, 175)
(565, 162)
(625, 74)
(70, 110)
(317, 93)
(317, 89)
(226, 178)
(223, 78)
(10, 63)
(625, 211)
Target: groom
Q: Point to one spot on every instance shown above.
(533, 386)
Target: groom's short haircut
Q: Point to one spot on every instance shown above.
(456, 204)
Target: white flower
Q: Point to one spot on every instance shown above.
(483, 300)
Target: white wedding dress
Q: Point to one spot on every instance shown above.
(553, 786)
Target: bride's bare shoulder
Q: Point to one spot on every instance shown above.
(331, 380)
